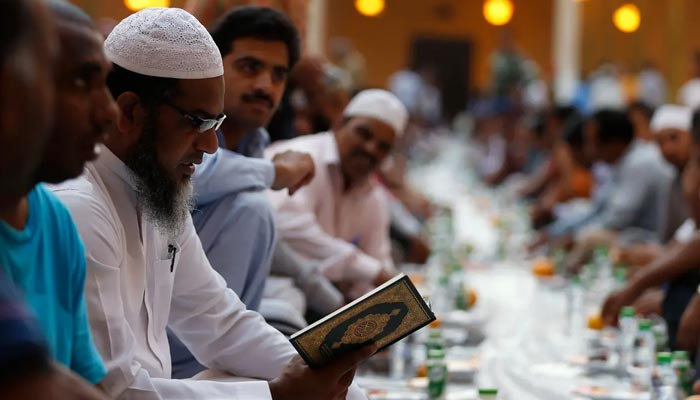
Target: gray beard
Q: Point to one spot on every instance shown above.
(164, 202)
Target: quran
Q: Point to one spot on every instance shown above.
(383, 316)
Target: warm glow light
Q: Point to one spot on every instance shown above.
(369, 8)
(136, 5)
(498, 12)
(627, 18)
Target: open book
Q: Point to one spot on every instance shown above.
(385, 315)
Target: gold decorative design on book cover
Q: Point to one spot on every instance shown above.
(384, 317)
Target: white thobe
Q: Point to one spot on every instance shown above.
(134, 290)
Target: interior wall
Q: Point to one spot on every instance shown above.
(386, 40)
(668, 34)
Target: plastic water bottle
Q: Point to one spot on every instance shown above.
(575, 299)
(645, 349)
(459, 294)
(441, 299)
(681, 366)
(397, 366)
(437, 374)
(628, 332)
(666, 387)
(603, 265)
(660, 335)
(435, 339)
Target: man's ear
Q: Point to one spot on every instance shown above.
(132, 114)
(130, 123)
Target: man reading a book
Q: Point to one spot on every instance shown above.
(146, 267)
(341, 218)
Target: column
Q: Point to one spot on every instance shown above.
(315, 41)
(566, 49)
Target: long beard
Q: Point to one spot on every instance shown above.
(164, 202)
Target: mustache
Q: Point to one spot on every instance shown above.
(362, 153)
(258, 95)
(193, 159)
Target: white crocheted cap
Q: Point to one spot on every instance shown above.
(671, 116)
(381, 105)
(166, 43)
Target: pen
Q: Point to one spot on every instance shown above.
(172, 250)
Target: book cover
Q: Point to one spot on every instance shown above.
(385, 315)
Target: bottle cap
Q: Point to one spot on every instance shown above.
(627, 312)
(681, 355)
(663, 358)
(644, 325)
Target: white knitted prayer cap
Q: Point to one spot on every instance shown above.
(671, 116)
(381, 105)
(166, 43)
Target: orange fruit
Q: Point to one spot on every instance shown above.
(471, 295)
(436, 324)
(496, 221)
(543, 267)
(595, 322)
(422, 371)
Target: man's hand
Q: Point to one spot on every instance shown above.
(419, 250)
(539, 241)
(649, 303)
(65, 384)
(383, 276)
(330, 382)
(614, 303)
(639, 255)
(293, 170)
(689, 328)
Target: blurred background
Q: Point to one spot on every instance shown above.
(453, 43)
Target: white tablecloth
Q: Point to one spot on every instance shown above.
(527, 351)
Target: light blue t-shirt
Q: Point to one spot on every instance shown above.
(46, 262)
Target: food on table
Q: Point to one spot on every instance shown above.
(543, 267)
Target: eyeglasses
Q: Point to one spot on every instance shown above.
(200, 124)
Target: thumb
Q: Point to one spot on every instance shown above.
(300, 184)
(293, 189)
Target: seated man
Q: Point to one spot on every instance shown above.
(631, 203)
(572, 181)
(670, 127)
(40, 249)
(675, 267)
(233, 218)
(341, 219)
(547, 137)
(24, 360)
(146, 267)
